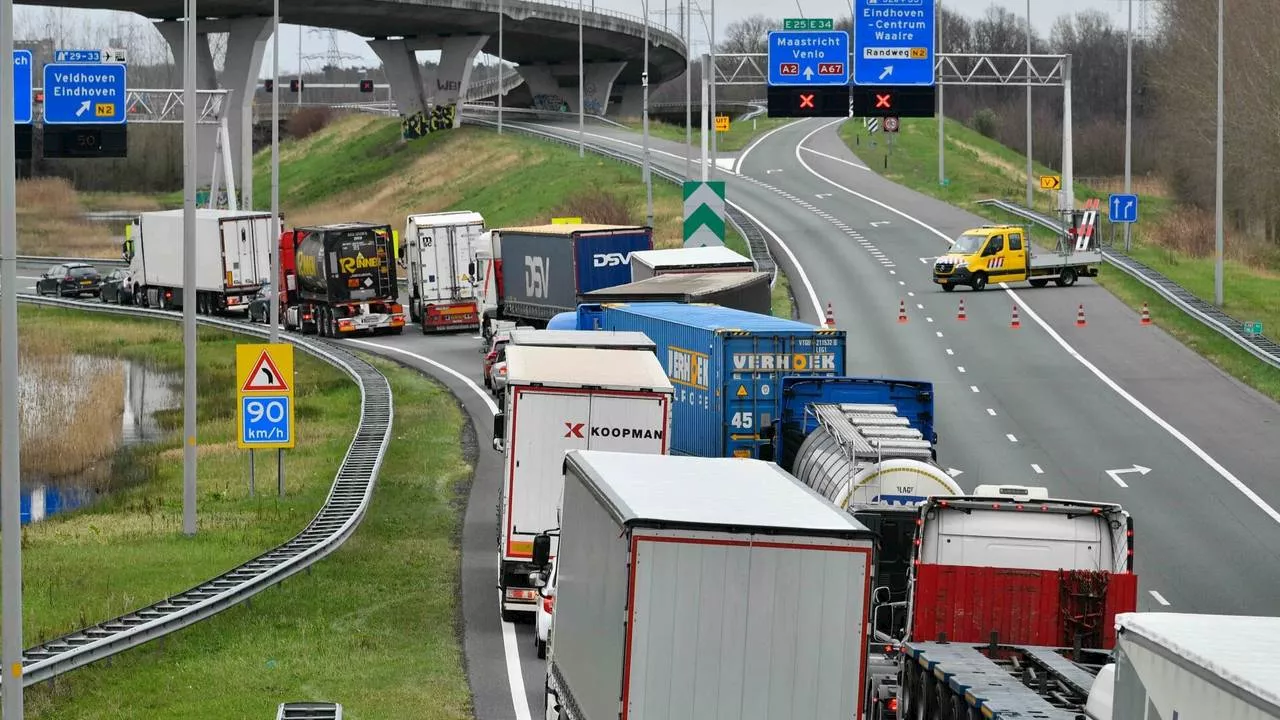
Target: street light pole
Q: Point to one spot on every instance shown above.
(686, 20)
(500, 49)
(189, 274)
(1030, 167)
(275, 173)
(942, 150)
(644, 89)
(582, 132)
(1217, 222)
(715, 144)
(1128, 124)
(10, 481)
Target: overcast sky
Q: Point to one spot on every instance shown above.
(1043, 13)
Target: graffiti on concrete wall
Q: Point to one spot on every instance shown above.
(550, 102)
(593, 106)
(421, 124)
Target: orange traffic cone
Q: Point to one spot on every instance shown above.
(1014, 323)
(831, 316)
(902, 311)
(1080, 316)
(1146, 315)
(961, 316)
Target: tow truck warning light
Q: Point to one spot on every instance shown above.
(790, 69)
(830, 68)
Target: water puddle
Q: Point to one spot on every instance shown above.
(78, 413)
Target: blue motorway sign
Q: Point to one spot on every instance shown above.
(22, 90)
(809, 58)
(1124, 208)
(893, 42)
(84, 94)
(265, 420)
(78, 56)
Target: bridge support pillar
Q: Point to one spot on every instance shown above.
(404, 74)
(632, 105)
(246, 44)
(457, 57)
(206, 79)
(555, 87)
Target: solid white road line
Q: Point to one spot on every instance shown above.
(1151, 415)
(804, 277)
(833, 157)
(1159, 598)
(515, 674)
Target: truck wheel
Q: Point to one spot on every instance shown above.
(541, 645)
(949, 287)
(979, 282)
(1041, 282)
(1068, 277)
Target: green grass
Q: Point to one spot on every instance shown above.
(373, 626)
(739, 135)
(978, 168)
(128, 550)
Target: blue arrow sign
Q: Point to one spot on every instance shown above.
(893, 42)
(1124, 208)
(809, 58)
(265, 420)
(84, 94)
(22, 89)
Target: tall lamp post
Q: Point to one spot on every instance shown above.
(582, 132)
(1128, 124)
(1217, 222)
(189, 273)
(644, 89)
(10, 482)
(1030, 166)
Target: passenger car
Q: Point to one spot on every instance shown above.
(117, 287)
(73, 278)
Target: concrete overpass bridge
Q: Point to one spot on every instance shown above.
(542, 37)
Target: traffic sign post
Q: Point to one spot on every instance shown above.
(1050, 182)
(22, 90)
(894, 42)
(84, 94)
(703, 213)
(1252, 327)
(265, 402)
(1124, 208)
(808, 57)
(722, 123)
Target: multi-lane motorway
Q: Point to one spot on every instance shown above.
(1048, 403)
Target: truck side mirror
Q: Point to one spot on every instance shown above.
(541, 550)
(499, 430)
(471, 268)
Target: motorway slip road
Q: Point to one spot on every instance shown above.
(1020, 405)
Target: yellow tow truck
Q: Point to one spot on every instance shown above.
(1003, 253)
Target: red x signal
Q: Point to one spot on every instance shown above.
(882, 101)
(806, 100)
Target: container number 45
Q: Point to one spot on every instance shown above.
(743, 420)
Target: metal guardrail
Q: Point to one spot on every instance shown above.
(57, 260)
(309, 711)
(337, 519)
(536, 114)
(757, 245)
(1208, 314)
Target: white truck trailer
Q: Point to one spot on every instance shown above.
(650, 263)
(694, 588)
(1181, 666)
(233, 258)
(560, 399)
(442, 252)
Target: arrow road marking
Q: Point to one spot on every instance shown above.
(888, 70)
(84, 108)
(820, 196)
(770, 172)
(879, 223)
(1115, 474)
(953, 472)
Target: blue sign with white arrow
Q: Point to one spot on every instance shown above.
(893, 42)
(22, 110)
(84, 94)
(808, 58)
(1124, 208)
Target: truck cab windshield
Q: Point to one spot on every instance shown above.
(968, 244)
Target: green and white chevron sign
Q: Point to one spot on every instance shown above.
(703, 213)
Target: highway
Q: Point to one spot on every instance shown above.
(1047, 404)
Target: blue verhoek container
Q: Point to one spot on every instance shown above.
(727, 366)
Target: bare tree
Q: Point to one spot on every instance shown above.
(748, 35)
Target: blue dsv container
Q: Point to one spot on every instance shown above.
(727, 366)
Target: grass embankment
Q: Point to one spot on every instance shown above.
(51, 222)
(373, 626)
(740, 134)
(1170, 239)
(356, 169)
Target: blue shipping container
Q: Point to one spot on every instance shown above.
(727, 366)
